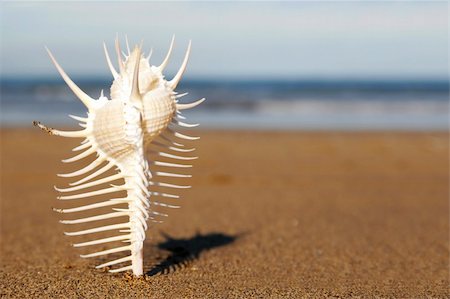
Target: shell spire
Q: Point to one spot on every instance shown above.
(142, 115)
(118, 52)
(135, 96)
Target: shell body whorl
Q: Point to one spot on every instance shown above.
(119, 130)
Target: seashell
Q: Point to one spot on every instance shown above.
(143, 111)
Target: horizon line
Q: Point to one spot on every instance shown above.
(289, 79)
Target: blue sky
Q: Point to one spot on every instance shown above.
(233, 39)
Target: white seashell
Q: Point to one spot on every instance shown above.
(142, 106)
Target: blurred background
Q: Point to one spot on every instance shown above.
(268, 65)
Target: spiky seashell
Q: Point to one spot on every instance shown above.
(142, 107)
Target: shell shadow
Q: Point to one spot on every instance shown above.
(184, 251)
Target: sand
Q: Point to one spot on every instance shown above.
(270, 215)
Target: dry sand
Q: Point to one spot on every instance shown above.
(271, 215)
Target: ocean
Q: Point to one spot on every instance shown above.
(261, 104)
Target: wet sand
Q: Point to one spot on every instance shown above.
(270, 215)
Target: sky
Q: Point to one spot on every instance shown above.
(251, 40)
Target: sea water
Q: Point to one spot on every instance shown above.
(262, 104)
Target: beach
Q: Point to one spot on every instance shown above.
(271, 214)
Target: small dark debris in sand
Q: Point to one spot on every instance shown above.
(131, 279)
